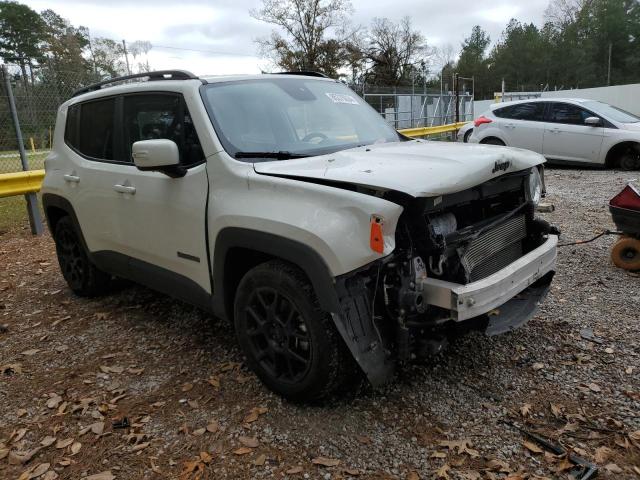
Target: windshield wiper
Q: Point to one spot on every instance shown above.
(280, 155)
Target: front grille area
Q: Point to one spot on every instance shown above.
(495, 249)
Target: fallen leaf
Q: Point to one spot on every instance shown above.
(212, 426)
(443, 471)
(18, 435)
(498, 466)
(187, 387)
(140, 446)
(251, 442)
(199, 432)
(97, 428)
(54, 401)
(101, 476)
(438, 455)
(470, 475)
(75, 448)
(50, 475)
(205, 457)
(364, 440)
(214, 381)
(47, 441)
(29, 353)
(594, 387)
(354, 472)
(635, 435)
(412, 476)
(64, 443)
(260, 460)
(537, 366)
(609, 350)
(564, 465)
(462, 446)
(556, 410)
(525, 410)
(254, 414)
(613, 468)
(20, 458)
(21, 412)
(602, 454)
(532, 447)
(39, 470)
(326, 462)
(294, 470)
(242, 451)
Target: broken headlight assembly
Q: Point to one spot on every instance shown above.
(535, 186)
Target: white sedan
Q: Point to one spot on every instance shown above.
(564, 130)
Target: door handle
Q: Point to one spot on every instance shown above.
(71, 178)
(124, 189)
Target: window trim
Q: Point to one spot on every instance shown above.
(544, 111)
(118, 132)
(605, 123)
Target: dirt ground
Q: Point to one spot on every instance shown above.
(137, 385)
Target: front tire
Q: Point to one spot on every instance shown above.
(82, 276)
(289, 341)
(493, 141)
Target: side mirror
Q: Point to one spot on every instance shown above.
(593, 121)
(161, 155)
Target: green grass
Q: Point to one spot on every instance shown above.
(10, 160)
(13, 213)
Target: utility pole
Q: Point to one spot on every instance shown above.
(609, 69)
(126, 57)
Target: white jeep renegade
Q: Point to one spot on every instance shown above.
(284, 203)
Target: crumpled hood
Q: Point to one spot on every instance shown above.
(418, 168)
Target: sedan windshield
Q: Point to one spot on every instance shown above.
(281, 118)
(614, 113)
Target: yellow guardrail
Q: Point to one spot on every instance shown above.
(425, 131)
(20, 183)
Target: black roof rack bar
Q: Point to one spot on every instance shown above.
(304, 73)
(158, 75)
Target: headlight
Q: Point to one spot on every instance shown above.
(535, 187)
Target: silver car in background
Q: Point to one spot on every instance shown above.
(564, 130)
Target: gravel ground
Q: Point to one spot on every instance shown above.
(71, 367)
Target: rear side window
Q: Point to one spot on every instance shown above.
(71, 127)
(96, 130)
(568, 114)
(157, 115)
(533, 111)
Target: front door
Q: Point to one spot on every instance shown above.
(567, 138)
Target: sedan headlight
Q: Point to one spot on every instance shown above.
(535, 186)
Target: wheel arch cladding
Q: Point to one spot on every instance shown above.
(237, 250)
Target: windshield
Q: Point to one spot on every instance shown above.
(291, 117)
(614, 113)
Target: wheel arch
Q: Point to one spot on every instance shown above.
(487, 139)
(616, 150)
(237, 250)
(55, 207)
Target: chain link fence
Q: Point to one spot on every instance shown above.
(37, 93)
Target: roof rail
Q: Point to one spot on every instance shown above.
(150, 76)
(304, 73)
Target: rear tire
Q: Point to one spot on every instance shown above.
(289, 341)
(493, 141)
(82, 276)
(629, 160)
(626, 253)
(467, 136)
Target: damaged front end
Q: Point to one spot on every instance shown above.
(472, 260)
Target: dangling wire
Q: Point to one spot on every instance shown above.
(581, 242)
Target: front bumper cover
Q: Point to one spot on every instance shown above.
(484, 296)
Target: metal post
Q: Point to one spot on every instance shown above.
(32, 200)
(456, 85)
(609, 69)
(126, 56)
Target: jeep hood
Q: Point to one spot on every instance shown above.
(418, 168)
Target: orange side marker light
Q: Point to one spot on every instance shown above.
(376, 240)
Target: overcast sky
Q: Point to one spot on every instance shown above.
(225, 32)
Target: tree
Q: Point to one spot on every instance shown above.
(473, 61)
(64, 44)
(315, 32)
(21, 35)
(108, 57)
(394, 50)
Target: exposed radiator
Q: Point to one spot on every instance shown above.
(495, 249)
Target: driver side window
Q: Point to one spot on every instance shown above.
(157, 115)
(568, 114)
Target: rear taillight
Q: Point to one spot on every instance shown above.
(480, 120)
(627, 198)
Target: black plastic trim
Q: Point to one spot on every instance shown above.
(284, 248)
(151, 76)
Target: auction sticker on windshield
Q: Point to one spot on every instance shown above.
(342, 98)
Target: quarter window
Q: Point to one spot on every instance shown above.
(153, 116)
(532, 111)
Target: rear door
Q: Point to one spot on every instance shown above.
(567, 138)
(522, 125)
